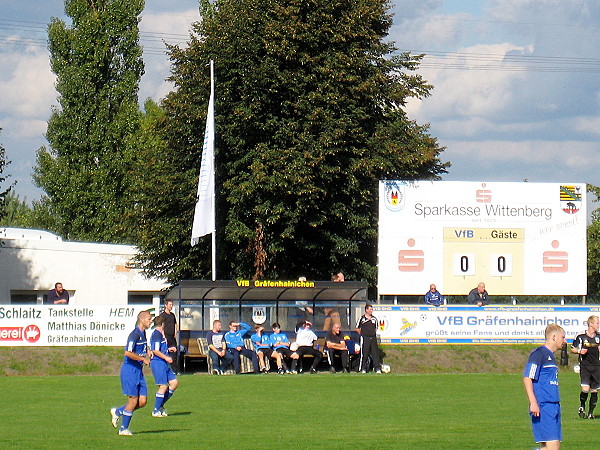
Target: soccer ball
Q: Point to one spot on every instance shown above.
(385, 368)
(576, 368)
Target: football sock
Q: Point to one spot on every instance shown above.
(583, 398)
(168, 395)
(294, 364)
(593, 401)
(120, 410)
(126, 418)
(159, 401)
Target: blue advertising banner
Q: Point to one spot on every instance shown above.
(492, 324)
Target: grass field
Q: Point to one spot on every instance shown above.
(292, 411)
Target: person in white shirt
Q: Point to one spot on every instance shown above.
(305, 339)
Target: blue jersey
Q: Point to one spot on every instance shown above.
(277, 339)
(434, 298)
(158, 342)
(543, 370)
(262, 341)
(136, 343)
(234, 338)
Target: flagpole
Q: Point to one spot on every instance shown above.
(214, 233)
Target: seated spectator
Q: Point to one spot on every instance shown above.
(217, 350)
(281, 348)
(305, 339)
(433, 296)
(479, 296)
(235, 345)
(336, 345)
(262, 346)
(57, 296)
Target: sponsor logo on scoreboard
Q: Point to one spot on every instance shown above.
(570, 199)
(394, 195)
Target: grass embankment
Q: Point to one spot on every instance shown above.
(36, 361)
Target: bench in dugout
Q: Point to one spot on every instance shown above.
(193, 352)
(245, 362)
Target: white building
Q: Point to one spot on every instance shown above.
(32, 261)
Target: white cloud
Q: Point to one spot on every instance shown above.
(574, 155)
(158, 29)
(27, 87)
(17, 128)
(176, 25)
(588, 125)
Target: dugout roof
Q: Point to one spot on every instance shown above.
(268, 290)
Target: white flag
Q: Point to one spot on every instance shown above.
(204, 214)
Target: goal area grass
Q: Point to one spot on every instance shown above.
(403, 411)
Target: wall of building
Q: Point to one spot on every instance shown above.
(94, 274)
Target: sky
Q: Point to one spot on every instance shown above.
(516, 83)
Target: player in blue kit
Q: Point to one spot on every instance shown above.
(133, 382)
(234, 339)
(281, 348)
(540, 378)
(164, 376)
(262, 347)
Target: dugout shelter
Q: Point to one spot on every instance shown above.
(199, 302)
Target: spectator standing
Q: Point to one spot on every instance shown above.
(170, 328)
(433, 296)
(367, 328)
(479, 296)
(540, 378)
(586, 346)
(305, 339)
(336, 345)
(235, 345)
(217, 350)
(57, 296)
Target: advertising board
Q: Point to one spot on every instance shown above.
(41, 325)
(475, 325)
(517, 238)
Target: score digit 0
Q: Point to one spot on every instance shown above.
(501, 265)
(464, 264)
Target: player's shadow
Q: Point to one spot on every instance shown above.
(182, 413)
(162, 431)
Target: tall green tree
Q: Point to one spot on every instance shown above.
(593, 244)
(4, 190)
(98, 64)
(309, 114)
(16, 212)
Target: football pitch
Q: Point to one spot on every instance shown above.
(450, 411)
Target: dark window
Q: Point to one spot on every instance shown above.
(23, 299)
(139, 299)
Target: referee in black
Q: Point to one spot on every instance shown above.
(367, 328)
(586, 346)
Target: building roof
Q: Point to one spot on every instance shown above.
(25, 233)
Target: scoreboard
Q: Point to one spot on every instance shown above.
(517, 238)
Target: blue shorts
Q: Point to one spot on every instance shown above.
(133, 382)
(547, 426)
(161, 372)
